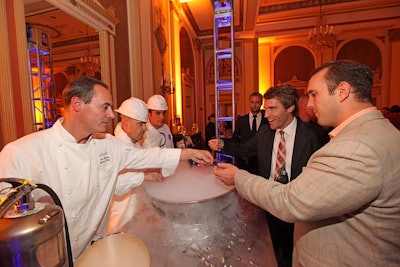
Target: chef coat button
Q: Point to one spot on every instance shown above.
(76, 239)
(69, 192)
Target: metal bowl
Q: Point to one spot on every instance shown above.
(191, 195)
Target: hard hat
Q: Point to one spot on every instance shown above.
(134, 108)
(157, 102)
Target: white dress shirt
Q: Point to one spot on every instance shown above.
(290, 134)
(258, 119)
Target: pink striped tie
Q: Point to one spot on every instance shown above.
(280, 156)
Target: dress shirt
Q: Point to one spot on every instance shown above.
(290, 134)
(335, 131)
(258, 119)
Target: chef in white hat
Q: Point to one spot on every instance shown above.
(158, 133)
(130, 129)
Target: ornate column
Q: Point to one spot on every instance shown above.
(7, 116)
(15, 106)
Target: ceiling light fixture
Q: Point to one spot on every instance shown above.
(88, 63)
(321, 36)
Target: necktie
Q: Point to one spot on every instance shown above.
(254, 125)
(280, 156)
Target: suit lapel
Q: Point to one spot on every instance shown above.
(269, 143)
(300, 141)
(246, 122)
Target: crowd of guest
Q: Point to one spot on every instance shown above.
(330, 200)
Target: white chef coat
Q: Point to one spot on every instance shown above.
(82, 175)
(160, 137)
(123, 208)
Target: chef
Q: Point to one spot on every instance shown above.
(130, 129)
(158, 133)
(80, 164)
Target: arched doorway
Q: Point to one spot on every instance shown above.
(293, 65)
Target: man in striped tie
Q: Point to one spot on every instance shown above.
(282, 150)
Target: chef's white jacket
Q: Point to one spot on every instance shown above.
(160, 137)
(82, 175)
(123, 208)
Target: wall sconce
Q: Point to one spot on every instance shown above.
(167, 84)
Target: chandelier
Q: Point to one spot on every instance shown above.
(88, 63)
(321, 36)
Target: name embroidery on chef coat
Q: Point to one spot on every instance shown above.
(104, 158)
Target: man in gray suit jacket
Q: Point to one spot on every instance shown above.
(302, 140)
(346, 202)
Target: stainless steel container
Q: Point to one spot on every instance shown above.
(191, 195)
(31, 234)
(34, 240)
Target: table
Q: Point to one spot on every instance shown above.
(236, 235)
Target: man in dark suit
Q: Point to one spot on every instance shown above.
(210, 130)
(246, 127)
(302, 140)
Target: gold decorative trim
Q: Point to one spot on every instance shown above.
(107, 13)
(295, 5)
(105, 17)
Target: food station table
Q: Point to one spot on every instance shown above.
(193, 219)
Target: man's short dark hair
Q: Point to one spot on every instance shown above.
(82, 87)
(286, 94)
(358, 75)
(255, 94)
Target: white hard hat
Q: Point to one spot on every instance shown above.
(134, 108)
(157, 102)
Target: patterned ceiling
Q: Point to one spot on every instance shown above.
(252, 18)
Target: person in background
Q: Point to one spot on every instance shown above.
(130, 129)
(244, 130)
(394, 116)
(228, 129)
(158, 133)
(385, 111)
(306, 113)
(81, 163)
(346, 202)
(210, 130)
(302, 140)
